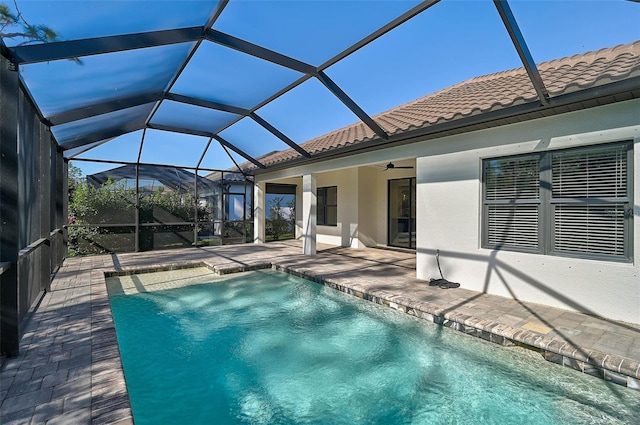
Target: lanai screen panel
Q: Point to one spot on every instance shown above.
(103, 126)
(77, 20)
(29, 151)
(124, 148)
(226, 67)
(486, 48)
(173, 178)
(616, 23)
(253, 139)
(65, 85)
(183, 116)
(217, 157)
(169, 148)
(223, 75)
(312, 32)
(303, 120)
(296, 70)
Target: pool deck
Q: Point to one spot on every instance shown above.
(69, 369)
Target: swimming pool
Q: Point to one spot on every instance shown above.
(268, 348)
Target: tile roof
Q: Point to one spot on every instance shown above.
(482, 94)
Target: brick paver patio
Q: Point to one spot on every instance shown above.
(69, 369)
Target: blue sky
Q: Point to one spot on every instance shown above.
(451, 42)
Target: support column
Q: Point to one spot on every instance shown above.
(9, 322)
(309, 211)
(259, 212)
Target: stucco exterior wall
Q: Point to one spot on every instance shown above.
(368, 209)
(449, 195)
(449, 190)
(346, 232)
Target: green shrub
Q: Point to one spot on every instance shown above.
(114, 203)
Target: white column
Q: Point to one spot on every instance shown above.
(309, 204)
(258, 212)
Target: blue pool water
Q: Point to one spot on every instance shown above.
(269, 348)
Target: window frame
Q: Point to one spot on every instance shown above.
(548, 205)
(512, 202)
(325, 206)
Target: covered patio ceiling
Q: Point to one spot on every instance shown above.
(232, 81)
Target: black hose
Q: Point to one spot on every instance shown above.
(438, 262)
(442, 282)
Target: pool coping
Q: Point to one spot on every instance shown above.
(611, 368)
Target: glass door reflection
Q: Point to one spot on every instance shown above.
(402, 213)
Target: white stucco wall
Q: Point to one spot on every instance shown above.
(346, 232)
(449, 217)
(368, 208)
(362, 201)
(448, 172)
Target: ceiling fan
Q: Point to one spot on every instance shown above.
(392, 166)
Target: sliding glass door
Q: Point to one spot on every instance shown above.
(402, 213)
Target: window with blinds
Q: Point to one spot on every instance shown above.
(589, 199)
(570, 202)
(512, 200)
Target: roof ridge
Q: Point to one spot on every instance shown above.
(512, 71)
(605, 52)
(578, 57)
